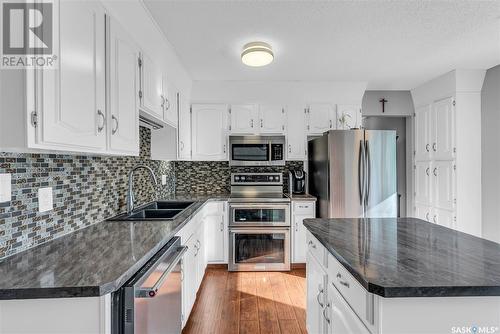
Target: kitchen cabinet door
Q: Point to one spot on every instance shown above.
(123, 115)
(200, 255)
(216, 235)
(316, 280)
(339, 316)
(348, 116)
(299, 249)
(296, 133)
(443, 173)
(443, 142)
(189, 287)
(151, 92)
(272, 119)
(71, 99)
(170, 103)
(184, 129)
(244, 119)
(209, 140)
(423, 182)
(446, 218)
(422, 133)
(320, 118)
(423, 212)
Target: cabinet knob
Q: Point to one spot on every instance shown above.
(434, 219)
(289, 148)
(427, 216)
(427, 171)
(435, 172)
(427, 147)
(320, 292)
(434, 147)
(261, 123)
(324, 313)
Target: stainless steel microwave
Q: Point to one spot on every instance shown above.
(257, 150)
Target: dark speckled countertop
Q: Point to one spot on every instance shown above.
(92, 261)
(409, 257)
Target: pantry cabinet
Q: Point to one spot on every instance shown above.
(151, 87)
(69, 109)
(209, 132)
(442, 129)
(320, 117)
(123, 112)
(423, 124)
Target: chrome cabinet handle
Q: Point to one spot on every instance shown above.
(261, 123)
(427, 147)
(435, 172)
(113, 131)
(310, 243)
(182, 145)
(427, 216)
(224, 148)
(101, 127)
(427, 171)
(434, 219)
(434, 147)
(251, 123)
(344, 283)
(289, 148)
(162, 102)
(331, 124)
(222, 226)
(320, 292)
(296, 226)
(324, 314)
(167, 104)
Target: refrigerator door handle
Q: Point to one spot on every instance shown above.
(361, 169)
(367, 172)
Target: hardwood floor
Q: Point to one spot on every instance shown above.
(250, 302)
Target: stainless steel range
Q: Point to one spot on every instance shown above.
(259, 223)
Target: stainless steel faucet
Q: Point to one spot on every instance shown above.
(130, 193)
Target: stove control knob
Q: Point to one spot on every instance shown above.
(270, 178)
(242, 178)
(236, 178)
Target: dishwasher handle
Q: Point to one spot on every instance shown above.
(151, 292)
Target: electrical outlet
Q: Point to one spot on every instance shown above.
(5, 188)
(163, 180)
(45, 199)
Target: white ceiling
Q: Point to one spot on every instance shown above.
(389, 44)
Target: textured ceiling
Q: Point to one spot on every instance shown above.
(389, 44)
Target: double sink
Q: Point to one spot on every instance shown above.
(158, 210)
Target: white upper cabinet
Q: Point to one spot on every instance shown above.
(321, 117)
(442, 135)
(296, 139)
(349, 116)
(71, 111)
(151, 88)
(169, 103)
(422, 132)
(123, 115)
(244, 119)
(209, 132)
(272, 119)
(184, 129)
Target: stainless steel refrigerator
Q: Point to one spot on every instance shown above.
(353, 173)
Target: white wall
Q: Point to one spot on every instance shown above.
(282, 92)
(490, 122)
(399, 103)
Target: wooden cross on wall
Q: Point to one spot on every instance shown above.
(383, 101)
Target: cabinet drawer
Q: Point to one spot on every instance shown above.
(303, 208)
(316, 249)
(360, 300)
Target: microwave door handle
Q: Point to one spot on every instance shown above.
(151, 292)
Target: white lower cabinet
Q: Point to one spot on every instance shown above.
(300, 211)
(339, 317)
(216, 232)
(316, 295)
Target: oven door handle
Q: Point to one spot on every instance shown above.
(259, 230)
(151, 292)
(275, 205)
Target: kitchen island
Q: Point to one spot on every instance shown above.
(388, 275)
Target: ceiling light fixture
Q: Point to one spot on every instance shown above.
(257, 54)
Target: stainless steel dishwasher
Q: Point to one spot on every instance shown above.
(151, 301)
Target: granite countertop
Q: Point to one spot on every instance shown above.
(408, 257)
(304, 197)
(92, 261)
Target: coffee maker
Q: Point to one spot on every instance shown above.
(297, 181)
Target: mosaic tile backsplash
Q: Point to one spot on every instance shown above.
(86, 190)
(214, 176)
(89, 189)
